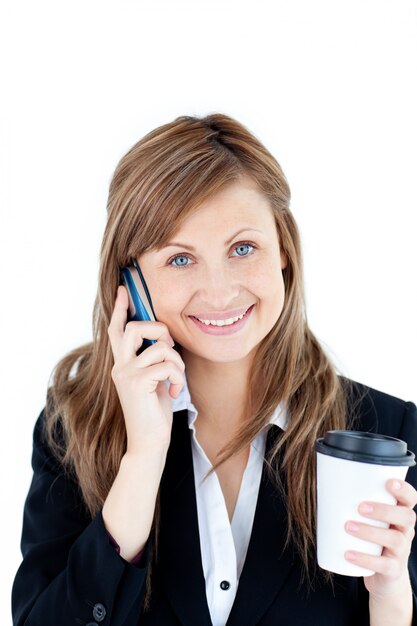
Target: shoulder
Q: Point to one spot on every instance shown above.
(377, 411)
(47, 459)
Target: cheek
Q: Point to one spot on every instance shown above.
(267, 282)
(271, 294)
(167, 297)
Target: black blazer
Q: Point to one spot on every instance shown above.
(71, 575)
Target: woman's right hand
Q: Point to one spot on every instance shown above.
(139, 380)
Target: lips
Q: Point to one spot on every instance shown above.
(230, 329)
(222, 316)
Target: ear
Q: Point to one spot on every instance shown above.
(284, 260)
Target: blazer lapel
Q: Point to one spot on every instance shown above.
(266, 565)
(180, 566)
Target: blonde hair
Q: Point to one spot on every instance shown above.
(156, 185)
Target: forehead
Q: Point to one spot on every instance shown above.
(240, 203)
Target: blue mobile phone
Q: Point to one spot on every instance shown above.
(140, 303)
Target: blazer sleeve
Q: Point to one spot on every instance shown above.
(70, 573)
(408, 433)
(136, 560)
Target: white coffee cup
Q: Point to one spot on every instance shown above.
(353, 467)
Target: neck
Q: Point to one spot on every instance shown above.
(218, 391)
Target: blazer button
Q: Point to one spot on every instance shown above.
(99, 612)
(224, 584)
(92, 624)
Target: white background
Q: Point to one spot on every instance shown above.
(329, 87)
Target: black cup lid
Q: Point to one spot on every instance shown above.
(365, 447)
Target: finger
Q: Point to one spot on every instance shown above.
(174, 390)
(165, 371)
(136, 331)
(389, 566)
(391, 538)
(158, 352)
(394, 514)
(127, 338)
(118, 321)
(405, 493)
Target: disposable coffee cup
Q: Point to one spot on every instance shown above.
(352, 467)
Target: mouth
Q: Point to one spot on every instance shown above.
(221, 316)
(228, 329)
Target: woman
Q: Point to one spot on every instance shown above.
(176, 484)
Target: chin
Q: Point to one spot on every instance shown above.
(228, 354)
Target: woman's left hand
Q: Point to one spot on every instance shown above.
(391, 568)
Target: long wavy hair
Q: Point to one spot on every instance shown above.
(156, 185)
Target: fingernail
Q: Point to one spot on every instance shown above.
(396, 485)
(366, 508)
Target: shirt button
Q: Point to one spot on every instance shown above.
(99, 612)
(224, 584)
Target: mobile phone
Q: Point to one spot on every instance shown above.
(140, 303)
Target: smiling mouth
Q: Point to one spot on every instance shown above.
(222, 323)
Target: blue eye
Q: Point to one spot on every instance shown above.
(179, 256)
(243, 245)
(185, 256)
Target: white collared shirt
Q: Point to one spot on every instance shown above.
(224, 544)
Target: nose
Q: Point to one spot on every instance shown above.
(220, 287)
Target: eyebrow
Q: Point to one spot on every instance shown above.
(183, 245)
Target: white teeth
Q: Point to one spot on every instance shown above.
(231, 320)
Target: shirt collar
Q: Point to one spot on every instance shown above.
(279, 416)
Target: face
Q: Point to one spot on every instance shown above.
(216, 271)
